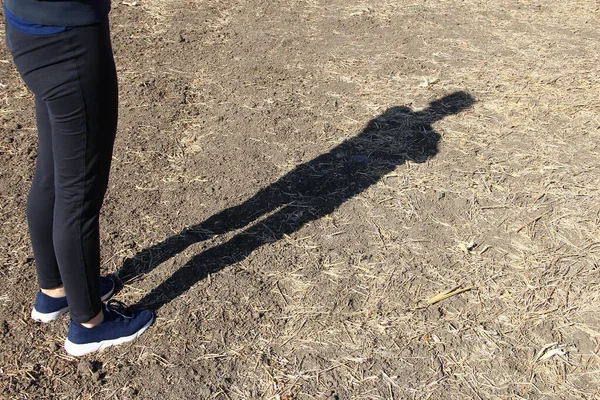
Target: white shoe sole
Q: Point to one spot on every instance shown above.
(77, 350)
(48, 317)
(107, 295)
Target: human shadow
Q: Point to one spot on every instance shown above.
(310, 191)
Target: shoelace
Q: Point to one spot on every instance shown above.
(118, 308)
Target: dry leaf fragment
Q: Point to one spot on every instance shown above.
(550, 350)
(428, 82)
(552, 353)
(500, 188)
(448, 293)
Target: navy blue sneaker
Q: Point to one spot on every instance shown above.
(119, 326)
(48, 308)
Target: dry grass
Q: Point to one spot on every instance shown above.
(508, 207)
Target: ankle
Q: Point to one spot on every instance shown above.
(55, 292)
(98, 319)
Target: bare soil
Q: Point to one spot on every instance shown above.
(294, 180)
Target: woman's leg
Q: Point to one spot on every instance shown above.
(84, 127)
(73, 74)
(40, 204)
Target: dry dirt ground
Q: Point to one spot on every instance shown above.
(294, 180)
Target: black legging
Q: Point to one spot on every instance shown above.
(73, 77)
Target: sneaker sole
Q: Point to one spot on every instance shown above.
(107, 295)
(78, 350)
(48, 317)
